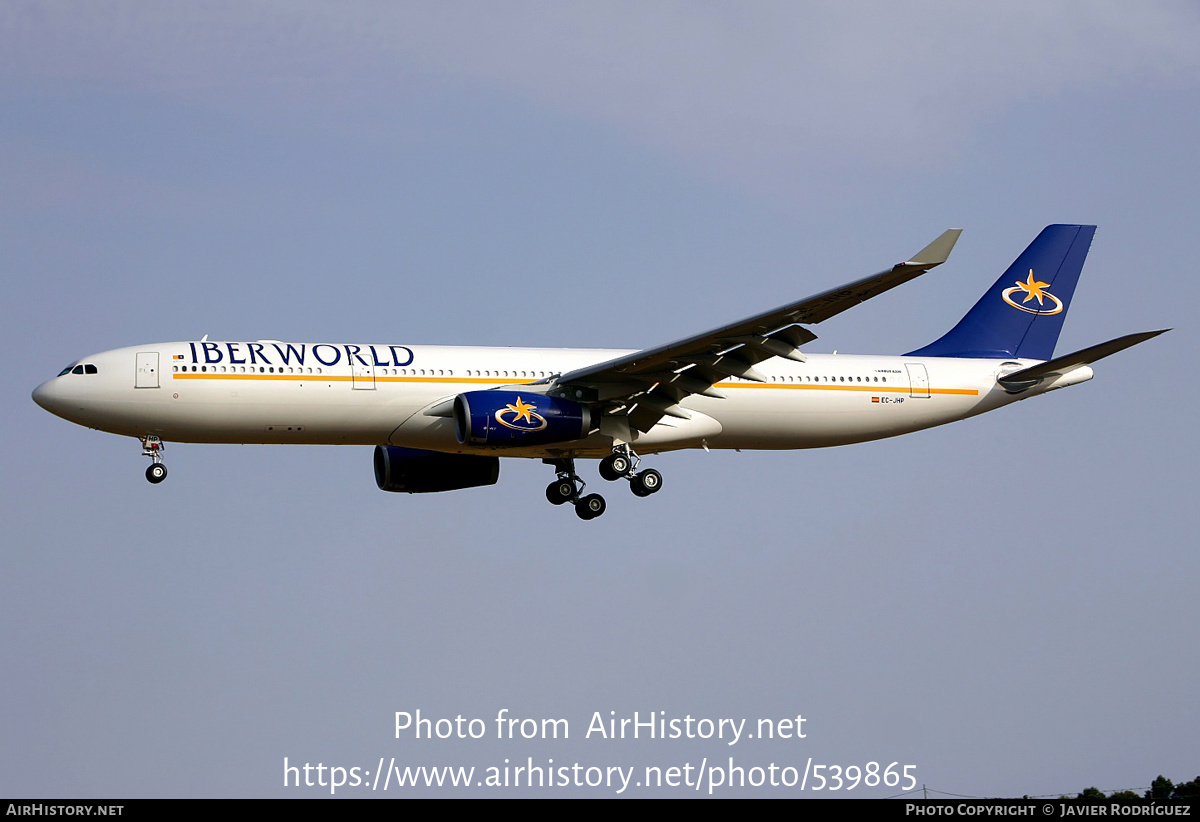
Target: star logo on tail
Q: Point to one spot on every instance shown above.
(1033, 289)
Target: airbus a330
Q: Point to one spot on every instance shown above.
(440, 417)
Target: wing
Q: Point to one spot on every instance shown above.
(650, 384)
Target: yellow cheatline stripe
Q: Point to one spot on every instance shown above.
(473, 380)
(341, 378)
(873, 389)
(190, 376)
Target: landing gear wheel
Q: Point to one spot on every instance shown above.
(590, 507)
(615, 466)
(646, 483)
(560, 491)
(156, 473)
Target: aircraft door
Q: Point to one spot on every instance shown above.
(147, 370)
(362, 376)
(918, 379)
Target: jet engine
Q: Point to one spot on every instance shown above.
(517, 418)
(415, 471)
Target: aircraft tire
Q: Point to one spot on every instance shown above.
(560, 491)
(156, 473)
(614, 467)
(590, 507)
(646, 483)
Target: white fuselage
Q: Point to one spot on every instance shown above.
(274, 392)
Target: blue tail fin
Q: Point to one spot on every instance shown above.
(1021, 315)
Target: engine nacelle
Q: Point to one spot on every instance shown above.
(415, 471)
(516, 418)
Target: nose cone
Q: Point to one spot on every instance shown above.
(41, 395)
(49, 395)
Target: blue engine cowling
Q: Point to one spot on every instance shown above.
(516, 418)
(415, 471)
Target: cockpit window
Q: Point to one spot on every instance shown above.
(88, 368)
(66, 370)
(77, 369)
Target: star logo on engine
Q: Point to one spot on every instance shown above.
(521, 416)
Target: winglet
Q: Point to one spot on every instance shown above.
(936, 252)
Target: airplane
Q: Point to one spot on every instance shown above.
(440, 417)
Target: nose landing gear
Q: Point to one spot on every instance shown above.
(153, 447)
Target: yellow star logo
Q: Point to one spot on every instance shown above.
(521, 410)
(1031, 287)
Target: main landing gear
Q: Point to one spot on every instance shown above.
(153, 447)
(569, 488)
(621, 464)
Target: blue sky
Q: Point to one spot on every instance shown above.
(1006, 603)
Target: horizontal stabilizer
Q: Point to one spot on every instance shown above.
(1068, 362)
